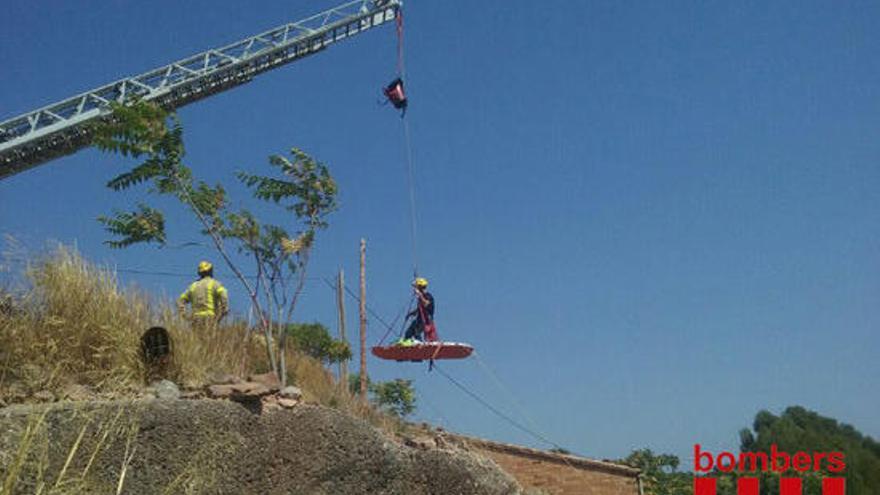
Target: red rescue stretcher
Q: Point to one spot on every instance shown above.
(423, 351)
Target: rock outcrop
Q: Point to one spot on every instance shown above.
(219, 447)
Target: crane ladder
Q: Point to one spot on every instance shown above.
(64, 127)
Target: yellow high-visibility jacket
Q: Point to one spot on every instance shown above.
(207, 296)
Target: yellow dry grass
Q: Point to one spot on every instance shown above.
(76, 325)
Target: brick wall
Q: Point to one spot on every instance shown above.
(558, 474)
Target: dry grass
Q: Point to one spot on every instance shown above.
(73, 325)
(35, 464)
(76, 325)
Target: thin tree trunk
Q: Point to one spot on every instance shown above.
(218, 244)
(301, 282)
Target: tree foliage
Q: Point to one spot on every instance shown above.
(660, 473)
(397, 396)
(301, 185)
(314, 340)
(800, 430)
(145, 224)
(795, 430)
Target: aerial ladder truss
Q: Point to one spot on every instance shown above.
(64, 127)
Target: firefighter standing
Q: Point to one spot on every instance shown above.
(208, 297)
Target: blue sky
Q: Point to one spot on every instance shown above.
(651, 220)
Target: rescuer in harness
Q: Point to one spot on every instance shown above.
(423, 315)
(208, 298)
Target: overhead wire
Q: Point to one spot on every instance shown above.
(496, 411)
(510, 395)
(374, 314)
(455, 382)
(436, 411)
(139, 271)
(390, 327)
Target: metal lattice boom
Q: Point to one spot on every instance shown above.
(62, 128)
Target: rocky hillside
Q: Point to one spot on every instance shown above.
(218, 446)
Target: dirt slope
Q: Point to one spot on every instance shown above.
(218, 447)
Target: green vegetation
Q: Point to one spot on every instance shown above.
(300, 185)
(314, 340)
(397, 397)
(660, 473)
(795, 430)
(800, 430)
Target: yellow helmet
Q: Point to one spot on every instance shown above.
(420, 282)
(205, 266)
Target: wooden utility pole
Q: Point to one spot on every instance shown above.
(363, 311)
(340, 305)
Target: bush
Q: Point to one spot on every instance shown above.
(314, 340)
(397, 397)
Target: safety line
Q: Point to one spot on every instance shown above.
(401, 69)
(137, 271)
(436, 410)
(372, 313)
(497, 412)
(401, 73)
(412, 194)
(500, 384)
(393, 323)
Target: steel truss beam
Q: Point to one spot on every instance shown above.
(62, 128)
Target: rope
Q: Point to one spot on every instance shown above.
(401, 72)
(412, 195)
(498, 413)
(400, 67)
(500, 384)
(484, 403)
(389, 326)
(423, 398)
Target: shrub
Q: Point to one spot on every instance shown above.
(314, 340)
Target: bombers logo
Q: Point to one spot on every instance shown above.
(776, 461)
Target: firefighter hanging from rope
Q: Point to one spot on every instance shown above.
(422, 327)
(421, 342)
(396, 96)
(412, 347)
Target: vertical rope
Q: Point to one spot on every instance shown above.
(401, 70)
(412, 197)
(400, 67)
